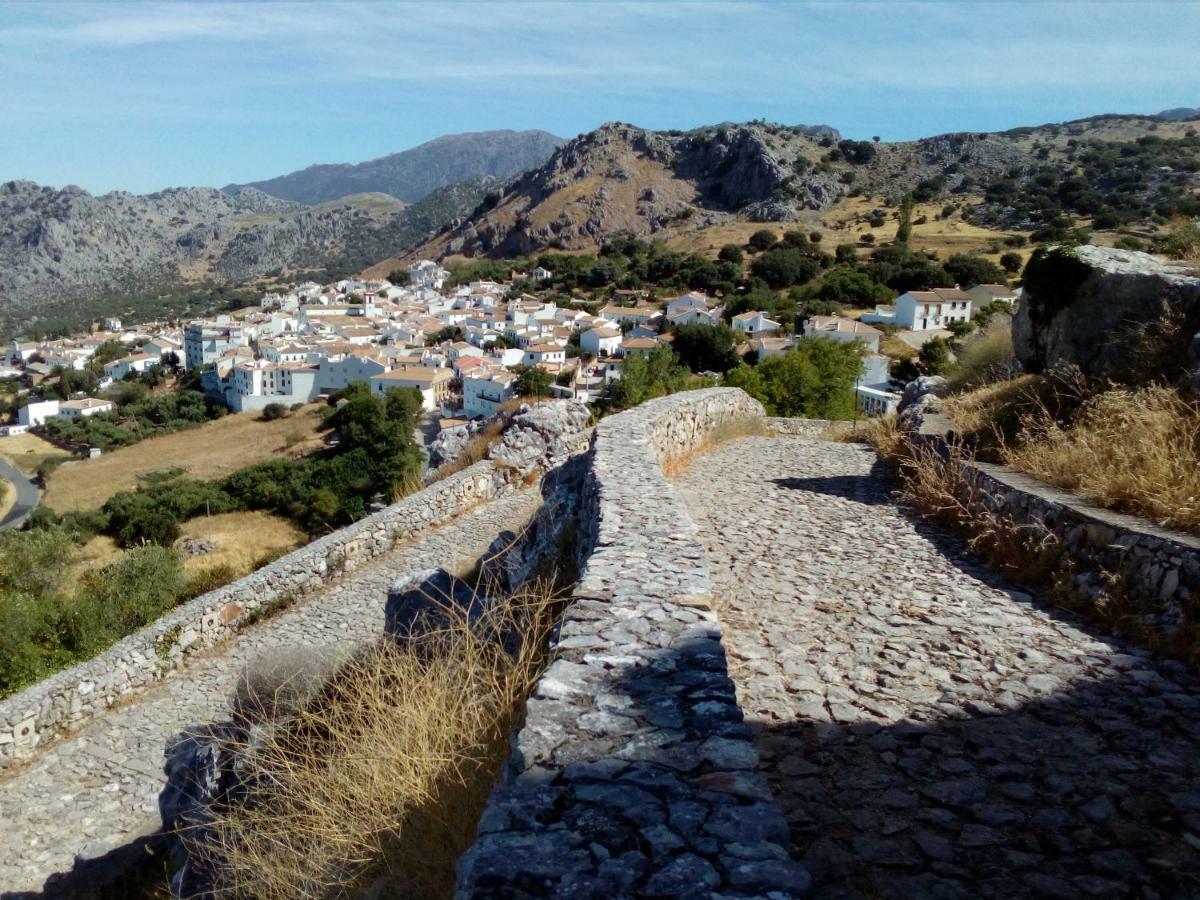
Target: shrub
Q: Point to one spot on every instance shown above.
(123, 596)
(273, 411)
(763, 239)
(935, 356)
(731, 253)
(784, 266)
(987, 358)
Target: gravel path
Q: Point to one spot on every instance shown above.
(930, 733)
(98, 789)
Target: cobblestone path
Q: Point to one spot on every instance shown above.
(98, 788)
(930, 733)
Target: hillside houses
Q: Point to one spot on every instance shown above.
(755, 324)
(841, 328)
(930, 310)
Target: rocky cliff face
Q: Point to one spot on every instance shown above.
(414, 174)
(623, 178)
(1116, 314)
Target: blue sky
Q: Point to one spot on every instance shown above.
(141, 96)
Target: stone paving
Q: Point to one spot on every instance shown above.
(929, 732)
(98, 788)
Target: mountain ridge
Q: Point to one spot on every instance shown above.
(413, 174)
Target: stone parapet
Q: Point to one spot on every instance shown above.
(35, 715)
(634, 774)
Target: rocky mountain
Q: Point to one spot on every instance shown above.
(413, 174)
(621, 178)
(67, 256)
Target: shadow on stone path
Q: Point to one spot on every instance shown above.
(929, 732)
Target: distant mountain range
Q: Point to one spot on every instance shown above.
(67, 256)
(414, 174)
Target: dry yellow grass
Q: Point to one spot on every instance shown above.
(243, 539)
(376, 783)
(28, 451)
(842, 224)
(7, 498)
(211, 450)
(1137, 451)
(981, 411)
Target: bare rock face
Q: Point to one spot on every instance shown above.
(1116, 314)
(538, 437)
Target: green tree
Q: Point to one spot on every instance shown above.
(731, 253)
(646, 376)
(763, 239)
(705, 348)
(816, 380)
(935, 356)
(968, 271)
(532, 381)
(1011, 262)
(904, 230)
(784, 266)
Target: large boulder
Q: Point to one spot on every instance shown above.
(1115, 314)
(541, 436)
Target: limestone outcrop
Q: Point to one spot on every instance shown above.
(1116, 314)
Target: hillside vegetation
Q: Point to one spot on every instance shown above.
(672, 184)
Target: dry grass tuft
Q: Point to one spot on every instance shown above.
(880, 432)
(735, 429)
(985, 359)
(377, 782)
(1137, 451)
(944, 489)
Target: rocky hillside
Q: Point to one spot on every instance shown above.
(624, 178)
(67, 256)
(414, 174)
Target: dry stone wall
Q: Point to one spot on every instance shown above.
(1157, 569)
(30, 718)
(634, 774)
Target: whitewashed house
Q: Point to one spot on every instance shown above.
(755, 324)
(134, 362)
(924, 310)
(843, 329)
(484, 391)
(600, 341)
(983, 294)
(81, 409)
(434, 384)
(544, 353)
(37, 413)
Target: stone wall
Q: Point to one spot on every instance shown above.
(35, 715)
(1156, 569)
(633, 774)
(807, 428)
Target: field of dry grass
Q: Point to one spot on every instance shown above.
(28, 451)
(244, 542)
(211, 450)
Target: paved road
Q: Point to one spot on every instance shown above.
(98, 788)
(28, 495)
(930, 732)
